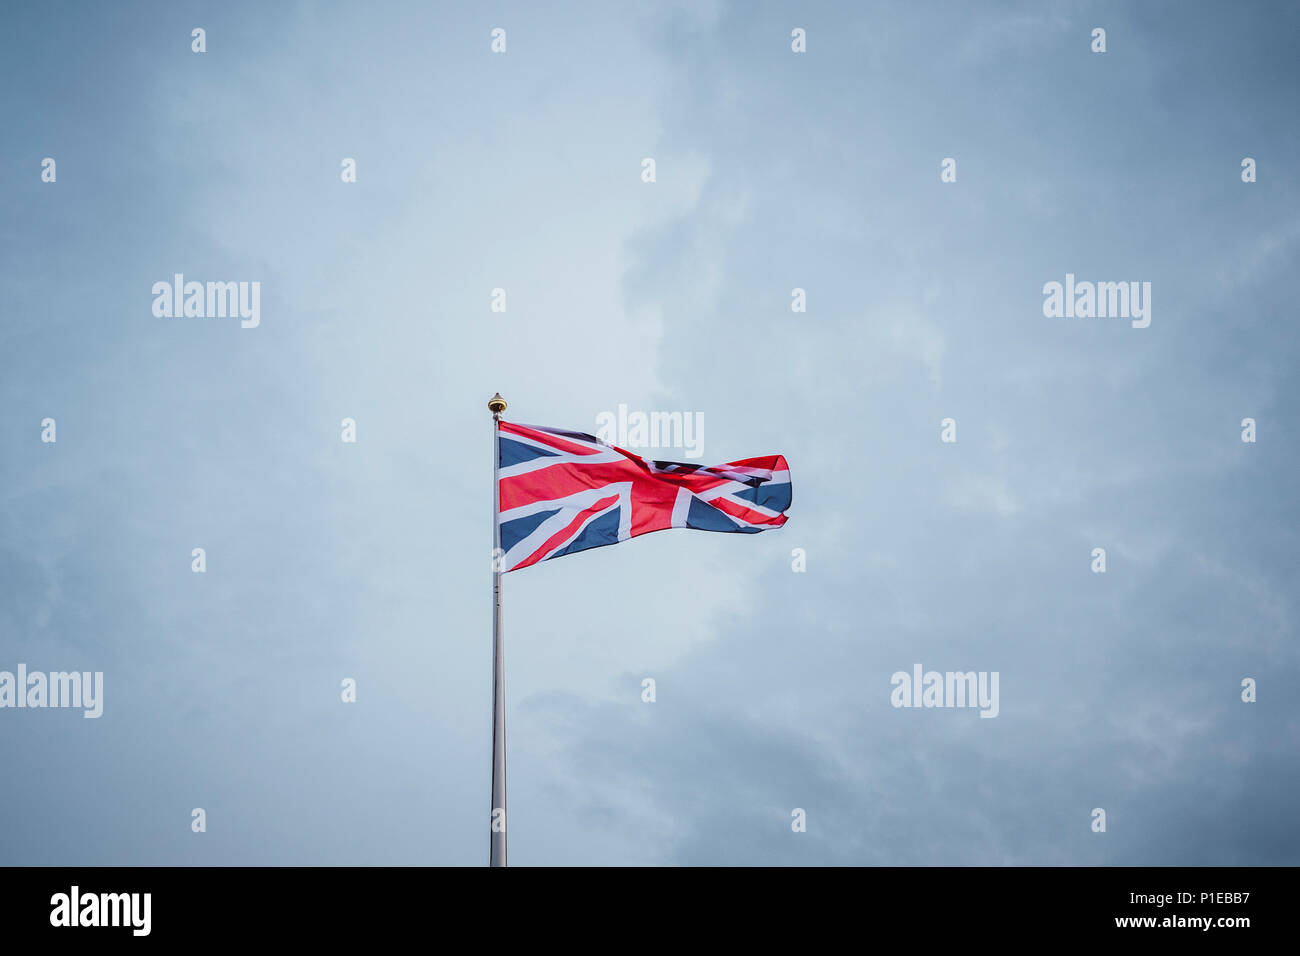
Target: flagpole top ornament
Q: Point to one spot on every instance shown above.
(496, 404)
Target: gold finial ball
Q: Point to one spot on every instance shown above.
(496, 404)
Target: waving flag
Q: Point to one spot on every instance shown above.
(562, 491)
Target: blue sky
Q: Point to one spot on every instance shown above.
(774, 170)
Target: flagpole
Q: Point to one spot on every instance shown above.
(497, 827)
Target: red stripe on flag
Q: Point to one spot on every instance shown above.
(555, 540)
(546, 438)
(745, 514)
(561, 480)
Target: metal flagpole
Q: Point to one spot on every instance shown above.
(497, 854)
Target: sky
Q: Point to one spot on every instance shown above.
(774, 170)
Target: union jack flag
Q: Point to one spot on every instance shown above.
(562, 491)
